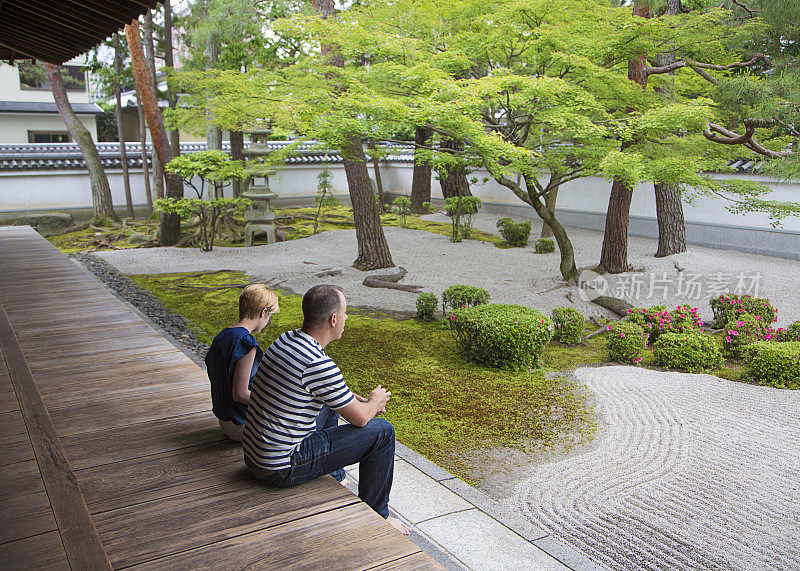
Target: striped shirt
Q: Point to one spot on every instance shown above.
(294, 379)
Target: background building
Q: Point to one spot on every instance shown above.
(28, 113)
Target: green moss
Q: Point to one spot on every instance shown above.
(341, 218)
(442, 405)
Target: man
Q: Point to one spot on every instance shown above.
(292, 434)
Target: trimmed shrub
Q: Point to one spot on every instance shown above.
(568, 324)
(790, 334)
(426, 306)
(740, 332)
(774, 364)
(729, 306)
(689, 352)
(624, 342)
(514, 234)
(502, 335)
(462, 296)
(545, 246)
(657, 320)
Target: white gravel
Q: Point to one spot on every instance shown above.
(686, 472)
(516, 275)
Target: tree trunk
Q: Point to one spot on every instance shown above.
(373, 250)
(143, 141)
(170, 230)
(614, 255)
(101, 192)
(453, 179)
(150, 54)
(550, 203)
(669, 207)
(377, 170)
(567, 266)
(237, 153)
(172, 96)
(421, 180)
(671, 227)
(123, 151)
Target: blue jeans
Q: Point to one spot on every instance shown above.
(331, 447)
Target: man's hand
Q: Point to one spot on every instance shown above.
(379, 396)
(360, 411)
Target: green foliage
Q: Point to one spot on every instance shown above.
(729, 306)
(625, 341)
(426, 207)
(325, 198)
(658, 319)
(740, 332)
(792, 333)
(688, 352)
(213, 167)
(461, 209)
(774, 364)
(208, 212)
(545, 246)
(516, 234)
(509, 337)
(568, 325)
(402, 206)
(426, 306)
(462, 296)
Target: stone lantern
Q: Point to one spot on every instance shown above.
(259, 217)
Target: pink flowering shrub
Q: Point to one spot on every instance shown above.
(625, 341)
(774, 364)
(790, 334)
(740, 332)
(658, 319)
(729, 306)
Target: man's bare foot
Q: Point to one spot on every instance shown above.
(345, 482)
(398, 525)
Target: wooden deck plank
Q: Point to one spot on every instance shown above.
(91, 449)
(78, 534)
(90, 416)
(15, 448)
(130, 430)
(40, 552)
(113, 486)
(20, 479)
(331, 540)
(139, 534)
(25, 516)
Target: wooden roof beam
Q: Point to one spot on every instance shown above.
(64, 17)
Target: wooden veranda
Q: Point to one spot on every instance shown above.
(111, 457)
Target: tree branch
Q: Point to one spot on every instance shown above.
(719, 134)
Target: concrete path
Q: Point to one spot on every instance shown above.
(689, 472)
(463, 528)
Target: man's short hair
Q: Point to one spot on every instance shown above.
(319, 303)
(254, 298)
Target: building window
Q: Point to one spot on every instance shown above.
(48, 137)
(33, 76)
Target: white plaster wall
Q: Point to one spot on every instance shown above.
(10, 89)
(14, 127)
(34, 190)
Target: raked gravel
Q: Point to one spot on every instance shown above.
(515, 275)
(686, 471)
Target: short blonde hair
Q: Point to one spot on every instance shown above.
(254, 298)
